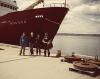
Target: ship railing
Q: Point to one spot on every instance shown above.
(57, 5)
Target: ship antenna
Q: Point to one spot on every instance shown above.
(65, 3)
(43, 3)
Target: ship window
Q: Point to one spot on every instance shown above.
(13, 8)
(4, 22)
(16, 8)
(18, 22)
(5, 5)
(10, 7)
(11, 23)
(35, 16)
(39, 16)
(15, 22)
(24, 21)
(2, 4)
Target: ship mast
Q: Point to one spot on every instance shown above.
(35, 4)
(65, 3)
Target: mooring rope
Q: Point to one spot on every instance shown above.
(51, 21)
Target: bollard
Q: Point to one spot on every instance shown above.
(58, 53)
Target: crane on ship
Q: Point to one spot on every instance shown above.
(42, 1)
(35, 4)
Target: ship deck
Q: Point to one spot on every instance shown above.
(13, 66)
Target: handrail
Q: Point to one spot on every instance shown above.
(61, 4)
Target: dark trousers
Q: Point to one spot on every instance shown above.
(38, 50)
(46, 49)
(31, 48)
(22, 50)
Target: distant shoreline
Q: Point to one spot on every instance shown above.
(73, 34)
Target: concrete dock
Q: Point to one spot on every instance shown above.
(13, 66)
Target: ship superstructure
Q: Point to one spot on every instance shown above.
(7, 6)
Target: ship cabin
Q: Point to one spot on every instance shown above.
(8, 5)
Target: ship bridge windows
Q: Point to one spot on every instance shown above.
(39, 16)
(8, 6)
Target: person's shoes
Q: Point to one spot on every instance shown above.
(49, 54)
(37, 53)
(19, 54)
(44, 53)
(31, 54)
(40, 54)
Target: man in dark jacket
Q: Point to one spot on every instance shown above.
(38, 44)
(32, 42)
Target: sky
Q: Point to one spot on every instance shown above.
(83, 17)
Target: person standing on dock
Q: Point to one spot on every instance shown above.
(46, 43)
(23, 43)
(38, 44)
(32, 42)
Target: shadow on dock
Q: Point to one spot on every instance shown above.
(1, 49)
(14, 60)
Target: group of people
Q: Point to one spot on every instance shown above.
(35, 42)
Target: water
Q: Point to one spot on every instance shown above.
(85, 45)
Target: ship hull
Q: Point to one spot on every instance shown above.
(38, 21)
